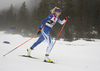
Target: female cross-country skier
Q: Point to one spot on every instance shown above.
(44, 31)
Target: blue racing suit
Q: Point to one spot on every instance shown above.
(50, 21)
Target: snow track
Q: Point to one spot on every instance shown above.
(78, 55)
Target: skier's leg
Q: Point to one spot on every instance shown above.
(50, 44)
(47, 37)
(41, 38)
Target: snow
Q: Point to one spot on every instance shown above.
(78, 55)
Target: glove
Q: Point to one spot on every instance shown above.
(67, 18)
(39, 31)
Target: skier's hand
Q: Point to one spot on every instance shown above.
(66, 18)
(39, 31)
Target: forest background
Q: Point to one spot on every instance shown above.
(84, 19)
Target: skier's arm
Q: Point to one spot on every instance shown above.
(45, 20)
(61, 22)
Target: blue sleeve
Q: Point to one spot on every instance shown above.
(45, 20)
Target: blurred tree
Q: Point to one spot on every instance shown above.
(82, 17)
(96, 18)
(43, 10)
(2, 20)
(23, 19)
(10, 17)
(34, 21)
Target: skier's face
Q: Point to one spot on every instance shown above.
(58, 13)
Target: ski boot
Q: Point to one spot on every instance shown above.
(29, 51)
(47, 59)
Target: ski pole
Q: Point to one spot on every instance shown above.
(20, 45)
(59, 34)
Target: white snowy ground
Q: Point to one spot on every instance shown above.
(69, 56)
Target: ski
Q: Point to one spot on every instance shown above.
(29, 56)
(37, 58)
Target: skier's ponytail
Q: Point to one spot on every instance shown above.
(53, 10)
